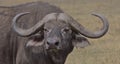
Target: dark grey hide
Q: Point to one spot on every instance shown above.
(40, 33)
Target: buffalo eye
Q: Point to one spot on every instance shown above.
(46, 30)
(66, 30)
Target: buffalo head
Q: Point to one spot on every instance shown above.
(58, 32)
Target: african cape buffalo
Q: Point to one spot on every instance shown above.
(40, 33)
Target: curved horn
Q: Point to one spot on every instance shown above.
(24, 32)
(80, 29)
(36, 28)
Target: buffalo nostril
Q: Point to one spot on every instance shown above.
(48, 43)
(53, 43)
(56, 43)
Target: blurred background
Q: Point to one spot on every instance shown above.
(105, 50)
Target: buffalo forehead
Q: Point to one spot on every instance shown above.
(55, 23)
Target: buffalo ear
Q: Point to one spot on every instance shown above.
(80, 42)
(35, 40)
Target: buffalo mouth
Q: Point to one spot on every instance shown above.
(53, 49)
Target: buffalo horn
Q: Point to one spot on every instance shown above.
(90, 34)
(25, 32)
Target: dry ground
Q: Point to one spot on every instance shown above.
(105, 50)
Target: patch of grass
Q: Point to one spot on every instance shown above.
(105, 50)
